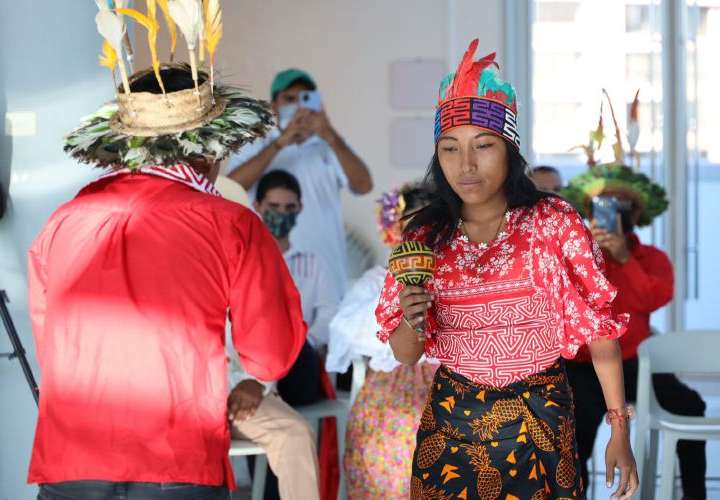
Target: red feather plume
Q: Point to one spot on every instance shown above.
(468, 72)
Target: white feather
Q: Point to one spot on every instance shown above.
(187, 14)
(111, 28)
(101, 4)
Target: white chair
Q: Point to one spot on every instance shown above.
(339, 409)
(687, 352)
(242, 448)
(359, 366)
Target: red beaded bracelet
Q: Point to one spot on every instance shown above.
(621, 414)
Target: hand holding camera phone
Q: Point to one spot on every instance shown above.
(310, 99)
(605, 213)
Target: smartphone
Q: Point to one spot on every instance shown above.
(310, 99)
(604, 211)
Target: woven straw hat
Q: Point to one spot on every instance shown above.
(144, 114)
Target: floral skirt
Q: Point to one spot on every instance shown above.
(510, 443)
(381, 431)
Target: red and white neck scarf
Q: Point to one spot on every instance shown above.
(179, 172)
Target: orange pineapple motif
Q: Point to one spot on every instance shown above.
(538, 495)
(415, 488)
(427, 421)
(419, 491)
(540, 432)
(502, 411)
(489, 482)
(431, 449)
(565, 472)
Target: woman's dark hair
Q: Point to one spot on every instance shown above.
(416, 197)
(277, 179)
(442, 214)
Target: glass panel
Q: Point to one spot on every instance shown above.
(576, 52)
(703, 82)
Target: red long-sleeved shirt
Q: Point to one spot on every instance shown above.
(130, 285)
(644, 284)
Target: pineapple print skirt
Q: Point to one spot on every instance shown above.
(511, 443)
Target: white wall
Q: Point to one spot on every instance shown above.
(48, 65)
(348, 47)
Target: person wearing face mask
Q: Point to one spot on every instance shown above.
(643, 276)
(278, 201)
(307, 145)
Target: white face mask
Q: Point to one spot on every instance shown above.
(285, 114)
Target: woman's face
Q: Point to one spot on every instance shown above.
(474, 162)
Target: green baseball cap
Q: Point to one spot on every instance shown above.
(288, 78)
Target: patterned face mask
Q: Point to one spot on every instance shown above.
(279, 224)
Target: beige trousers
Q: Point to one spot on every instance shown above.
(289, 444)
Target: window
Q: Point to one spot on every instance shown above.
(619, 46)
(703, 118)
(606, 52)
(637, 17)
(558, 12)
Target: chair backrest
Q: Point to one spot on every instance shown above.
(696, 352)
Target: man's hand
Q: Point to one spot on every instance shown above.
(296, 131)
(613, 243)
(318, 123)
(244, 400)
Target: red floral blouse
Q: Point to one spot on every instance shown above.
(508, 309)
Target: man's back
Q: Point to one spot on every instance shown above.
(130, 285)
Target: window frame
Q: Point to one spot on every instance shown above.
(517, 38)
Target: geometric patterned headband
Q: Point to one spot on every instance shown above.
(475, 95)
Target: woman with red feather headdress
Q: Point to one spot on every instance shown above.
(518, 286)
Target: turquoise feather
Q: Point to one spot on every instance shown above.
(445, 84)
(490, 82)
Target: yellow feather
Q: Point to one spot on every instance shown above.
(171, 27)
(213, 26)
(151, 24)
(108, 58)
(213, 32)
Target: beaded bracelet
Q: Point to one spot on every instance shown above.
(620, 414)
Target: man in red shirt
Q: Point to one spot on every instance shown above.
(643, 276)
(130, 287)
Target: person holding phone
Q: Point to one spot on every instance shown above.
(306, 145)
(617, 200)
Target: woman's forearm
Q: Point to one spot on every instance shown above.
(607, 361)
(405, 344)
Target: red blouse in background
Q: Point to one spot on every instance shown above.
(130, 285)
(509, 309)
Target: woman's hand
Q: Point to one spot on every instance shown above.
(414, 303)
(618, 454)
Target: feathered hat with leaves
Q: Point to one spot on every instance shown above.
(152, 124)
(616, 178)
(475, 95)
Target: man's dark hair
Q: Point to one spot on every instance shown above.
(546, 169)
(277, 179)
